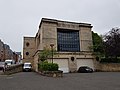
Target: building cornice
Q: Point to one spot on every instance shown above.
(60, 21)
(70, 53)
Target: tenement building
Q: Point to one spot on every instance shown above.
(71, 40)
(7, 53)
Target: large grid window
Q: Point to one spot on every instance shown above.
(68, 40)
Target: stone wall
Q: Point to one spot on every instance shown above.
(13, 69)
(52, 73)
(109, 67)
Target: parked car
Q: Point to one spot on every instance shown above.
(9, 62)
(85, 69)
(27, 66)
(2, 65)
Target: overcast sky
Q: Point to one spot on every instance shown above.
(20, 18)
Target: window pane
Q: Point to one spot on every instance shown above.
(68, 40)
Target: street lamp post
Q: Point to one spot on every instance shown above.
(52, 50)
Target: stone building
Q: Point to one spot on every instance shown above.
(71, 40)
(19, 57)
(7, 53)
(1, 50)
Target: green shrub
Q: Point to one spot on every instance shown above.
(45, 66)
(110, 60)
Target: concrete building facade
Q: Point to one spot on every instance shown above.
(71, 40)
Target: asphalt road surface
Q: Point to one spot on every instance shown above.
(74, 81)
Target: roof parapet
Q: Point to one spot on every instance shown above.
(57, 21)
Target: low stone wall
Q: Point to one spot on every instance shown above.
(13, 69)
(52, 73)
(109, 67)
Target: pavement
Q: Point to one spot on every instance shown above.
(71, 81)
(1, 71)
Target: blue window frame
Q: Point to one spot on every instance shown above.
(68, 40)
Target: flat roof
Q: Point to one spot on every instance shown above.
(58, 21)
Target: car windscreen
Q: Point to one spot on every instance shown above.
(27, 65)
(8, 62)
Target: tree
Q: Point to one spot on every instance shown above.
(43, 64)
(45, 54)
(97, 44)
(112, 43)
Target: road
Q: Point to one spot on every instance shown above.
(74, 81)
